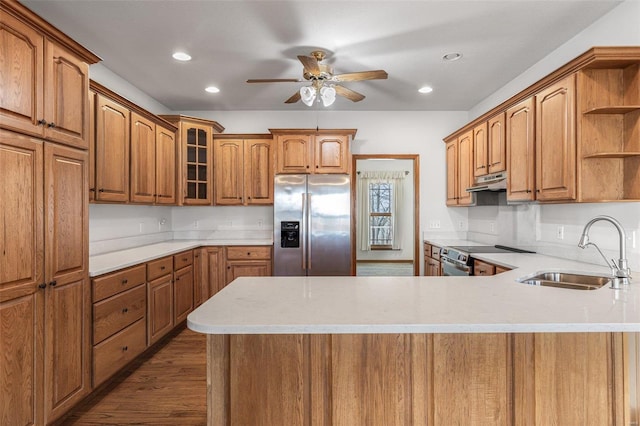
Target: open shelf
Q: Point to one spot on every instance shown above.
(613, 154)
(613, 109)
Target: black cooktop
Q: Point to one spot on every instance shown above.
(489, 249)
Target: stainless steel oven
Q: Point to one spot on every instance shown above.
(454, 267)
(458, 261)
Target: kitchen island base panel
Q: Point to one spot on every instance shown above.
(418, 379)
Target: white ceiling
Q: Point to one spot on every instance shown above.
(232, 41)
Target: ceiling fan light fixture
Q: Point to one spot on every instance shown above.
(308, 95)
(327, 95)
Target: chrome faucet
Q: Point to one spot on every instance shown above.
(620, 272)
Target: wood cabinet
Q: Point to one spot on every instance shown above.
(489, 146)
(195, 158)
(307, 151)
(432, 265)
(480, 150)
(209, 273)
(482, 268)
(112, 150)
(247, 261)
(409, 379)
(521, 151)
(244, 171)
(159, 298)
(182, 286)
(133, 152)
(119, 320)
(459, 157)
(46, 83)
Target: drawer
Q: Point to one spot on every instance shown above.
(158, 268)
(435, 252)
(117, 312)
(483, 268)
(117, 282)
(115, 352)
(181, 260)
(249, 252)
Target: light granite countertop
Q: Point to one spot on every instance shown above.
(109, 262)
(319, 305)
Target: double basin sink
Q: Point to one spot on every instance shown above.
(567, 280)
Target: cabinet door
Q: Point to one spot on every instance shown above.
(21, 77)
(165, 166)
(483, 268)
(216, 270)
(432, 267)
(520, 151)
(556, 142)
(252, 268)
(465, 168)
(92, 146)
(66, 107)
(21, 272)
(200, 276)
(452, 172)
(497, 144)
(258, 171)
(112, 151)
(293, 153)
(196, 141)
(480, 150)
(228, 157)
(67, 298)
(183, 294)
(331, 154)
(159, 308)
(143, 160)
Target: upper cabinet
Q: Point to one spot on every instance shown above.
(195, 158)
(460, 170)
(313, 151)
(573, 136)
(243, 169)
(46, 83)
(133, 152)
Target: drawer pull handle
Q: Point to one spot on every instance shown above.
(42, 122)
(162, 268)
(125, 348)
(53, 283)
(125, 310)
(43, 285)
(51, 124)
(124, 281)
(248, 253)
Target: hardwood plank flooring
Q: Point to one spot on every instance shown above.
(166, 387)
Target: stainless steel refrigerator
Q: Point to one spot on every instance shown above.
(312, 225)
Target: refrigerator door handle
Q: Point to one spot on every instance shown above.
(309, 233)
(303, 231)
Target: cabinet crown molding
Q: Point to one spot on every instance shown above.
(350, 132)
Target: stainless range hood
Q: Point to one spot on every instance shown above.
(494, 182)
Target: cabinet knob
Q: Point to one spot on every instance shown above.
(162, 268)
(317, 166)
(124, 281)
(307, 167)
(537, 190)
(125, 348)
(101, 190)
(43, 285)
(125, 310)
(42, 122)
(178, 279)
(51, 124)
(53, 283)
(248, 253)
(228, 267)
(92, 190)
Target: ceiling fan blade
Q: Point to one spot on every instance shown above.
(362, 75)
(310, 64)
(293, 99)
(348, 93)
(274, 80)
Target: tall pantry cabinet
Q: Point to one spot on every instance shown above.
(44, 285)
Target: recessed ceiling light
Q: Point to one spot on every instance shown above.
(452, 56)
(425, 89)
(181, 56)
(212, 89)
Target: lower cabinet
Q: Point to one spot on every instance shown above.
(481, 268)
(432, 266)
(159, 298)
(248, 261)
(182, 294)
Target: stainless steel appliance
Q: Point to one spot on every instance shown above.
(312, 225)
(458, 260)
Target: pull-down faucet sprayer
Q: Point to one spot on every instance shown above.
(620, 272)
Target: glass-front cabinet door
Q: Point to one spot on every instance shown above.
(198, 165)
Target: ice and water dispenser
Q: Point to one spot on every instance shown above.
(289, 234)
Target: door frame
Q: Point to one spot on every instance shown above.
(416, 204)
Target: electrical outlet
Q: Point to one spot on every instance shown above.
(196, 224)
(260, 223)
(633, 239)
(560, 233)
(492, 227)
(461, 225)
(141, 227)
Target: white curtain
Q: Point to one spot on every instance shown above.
(396, 180)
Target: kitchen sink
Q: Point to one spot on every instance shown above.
(568, 280)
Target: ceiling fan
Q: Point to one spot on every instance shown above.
(323, 81)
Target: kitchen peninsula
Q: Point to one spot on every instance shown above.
(419, 350)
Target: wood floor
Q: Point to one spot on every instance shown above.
(167, 387)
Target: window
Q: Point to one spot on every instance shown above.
(380, 215)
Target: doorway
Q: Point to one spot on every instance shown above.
(385, 233)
